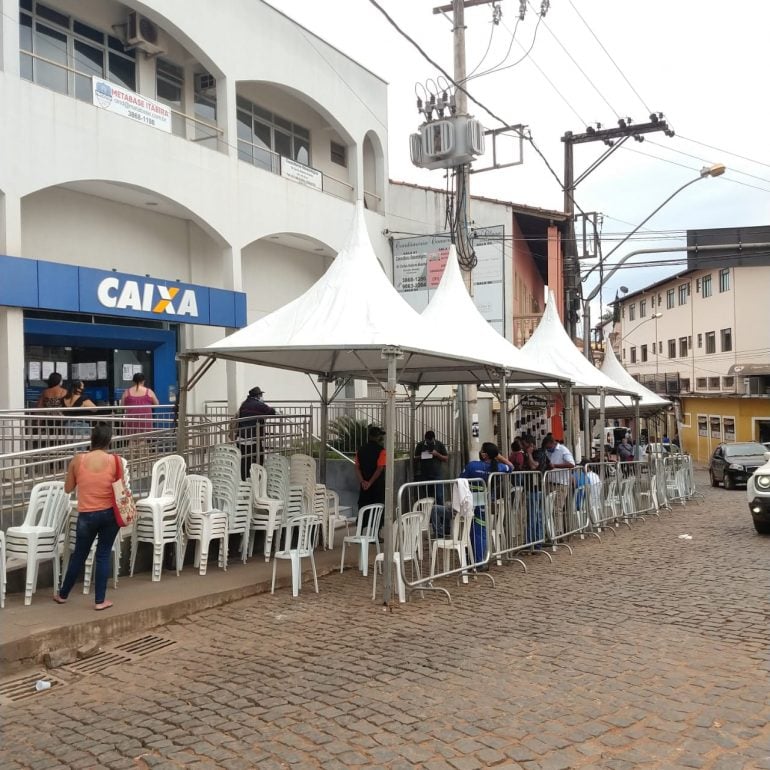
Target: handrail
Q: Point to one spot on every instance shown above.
(91, 76)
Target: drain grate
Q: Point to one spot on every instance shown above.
(98, 662)
(21, 688)
(145, 645)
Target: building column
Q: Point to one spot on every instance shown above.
(227, 118)
(9, 37)
(11, 318)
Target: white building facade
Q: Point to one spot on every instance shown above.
(169, 171)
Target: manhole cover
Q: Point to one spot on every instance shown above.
(14, 690)
(145, 645)
(98, 662)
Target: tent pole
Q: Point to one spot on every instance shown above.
(588, 448)
(568, 427)
(324, 429)
(392, 355)
(504, 442)
(637, 421)
(602, 420)
(412, 426)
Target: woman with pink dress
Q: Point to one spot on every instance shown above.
(139, 399)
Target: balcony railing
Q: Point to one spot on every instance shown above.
(523, 327)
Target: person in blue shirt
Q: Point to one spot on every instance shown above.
(490, 461)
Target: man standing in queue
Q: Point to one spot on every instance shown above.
(430, 457)
(370, 469)
(251, 429)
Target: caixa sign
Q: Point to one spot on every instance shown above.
(147, 296)
(132, 296)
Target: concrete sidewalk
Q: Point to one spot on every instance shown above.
(27, 633)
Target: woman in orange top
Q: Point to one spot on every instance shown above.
(92, 473)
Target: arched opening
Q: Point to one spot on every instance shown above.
(374, 172)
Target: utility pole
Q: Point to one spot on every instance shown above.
(614, 138)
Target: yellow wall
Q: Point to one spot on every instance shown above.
(745, 412)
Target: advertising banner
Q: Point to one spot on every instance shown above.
(114, 98)
(418, 264)
(298, 172)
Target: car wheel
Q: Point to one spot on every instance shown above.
(762, 527)
(714, 482)
(729, 481)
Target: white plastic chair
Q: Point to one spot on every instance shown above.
(335, 518)
(231, 495)
(37, 539)
(365, 535)
(270, 498)
(458, 543)
(497, 530)
(202, 522)
(424, 506)
(409, 546)
(158, 516)
(305, 527)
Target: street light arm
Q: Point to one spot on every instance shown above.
(633, 232)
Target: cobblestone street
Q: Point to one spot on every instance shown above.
(641, 651)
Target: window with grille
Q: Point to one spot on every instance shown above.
(711, 343)
(728, 424)
(684, 293)
(642, 308)
(684, 384)
(715, 424)
(672, 348)
(724, 279)
(728, 383)
(700, 383)
(632, 311)
(713, 383)
(670, 295)
(706, 286)
(703, 425)
(726, 338)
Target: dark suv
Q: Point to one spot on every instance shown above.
(732, 464)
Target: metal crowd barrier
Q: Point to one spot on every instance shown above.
(517, 521)
(454, 539)
(604, 501)
(636, 490)
(565, 507)
(680, 478)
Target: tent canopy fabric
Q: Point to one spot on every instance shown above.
(452, 312)
(551, 348)
(649, 402)
(342, 324)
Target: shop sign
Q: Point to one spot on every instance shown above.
(534, 403)
(148, 297)
(114, 98)
(298, 172)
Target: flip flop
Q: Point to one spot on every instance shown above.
(58, 599)
(105, 606)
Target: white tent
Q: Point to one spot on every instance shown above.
(352, 322)
(452, 312)
(551, 347)
(649, 402)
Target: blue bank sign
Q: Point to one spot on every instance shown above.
(53, 286)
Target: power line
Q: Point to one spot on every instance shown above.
(580, 69)
(486, 53)
(727, 152)
(505, 58)
(622, 74)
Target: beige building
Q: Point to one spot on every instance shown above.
(702, 337)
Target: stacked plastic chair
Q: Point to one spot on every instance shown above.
(229, 493)
(202, 522)
(37, 539)
(270, 490)
(159, 518)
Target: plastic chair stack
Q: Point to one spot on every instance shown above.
(202, 522)
(367, 534)
(424, 506)
(270, 490)
(407, 550)
(299, 538)
(230, 494)
(37, 539)
(159, 515)
(458, 543)
(334, 518)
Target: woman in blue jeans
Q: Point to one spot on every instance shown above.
(92, 473)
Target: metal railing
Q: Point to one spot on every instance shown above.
(524, 327)
(38, 446)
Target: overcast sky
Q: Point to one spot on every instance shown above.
(702, 63)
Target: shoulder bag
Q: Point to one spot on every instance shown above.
(123, 504)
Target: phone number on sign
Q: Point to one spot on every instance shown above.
(141, 118)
